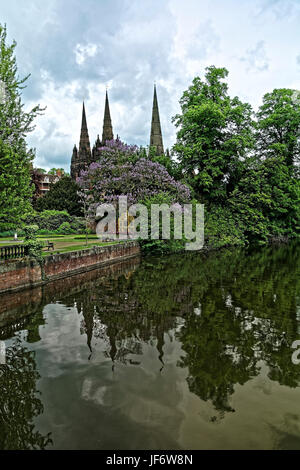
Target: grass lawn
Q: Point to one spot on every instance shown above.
(65, 243)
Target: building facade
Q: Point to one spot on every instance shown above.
(43, 181)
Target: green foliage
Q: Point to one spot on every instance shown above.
(53, 171)
(161, 246)
(64, 229)
(278, 126)
(246, 172)
(15, 124)
(267, 201)
(223, 228)
(63, 195)
(215, 133)
(49, 219)
(34, 246)
(53, 222)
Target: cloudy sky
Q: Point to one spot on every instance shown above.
(74, 49)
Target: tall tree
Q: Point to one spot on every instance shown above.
(15, 124)
(278, 127)
(63, 195)
(215, 134)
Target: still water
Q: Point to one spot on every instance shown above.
(180, 352)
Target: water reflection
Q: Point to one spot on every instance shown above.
(20, 402)
(215, 322)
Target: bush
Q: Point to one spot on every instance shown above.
(49, 220)
(65, 229)
(62, 195)
(8, 233)
(161, 246)
(78, 225)
(222, 228)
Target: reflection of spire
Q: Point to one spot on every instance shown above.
(156, 139)
(160, 347)
(88, 315)
(107, 126)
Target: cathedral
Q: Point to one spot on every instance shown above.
(84, 155)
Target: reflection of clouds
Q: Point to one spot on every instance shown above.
(61, 345)
(89, 394)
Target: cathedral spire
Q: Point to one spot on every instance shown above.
(156, 139)
(107, 126)
(82, 157)
(84, 144)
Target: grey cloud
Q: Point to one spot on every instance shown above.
(280, 9)
(135, 43)
(203, 42)
(256, 58)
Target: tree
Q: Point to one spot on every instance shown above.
(62, 195)
(15, 124)
(36, 180)
(278, 127)
(267, 200)
(121, 171)
(215, 134)
(53, 171)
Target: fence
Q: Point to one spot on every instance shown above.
(12, 252)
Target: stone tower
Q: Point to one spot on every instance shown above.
(107, 126)
(82, 157)
(156, 139)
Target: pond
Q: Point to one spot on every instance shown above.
(188, 351)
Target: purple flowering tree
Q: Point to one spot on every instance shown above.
(121, 170)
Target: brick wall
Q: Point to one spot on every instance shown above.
(27, 273)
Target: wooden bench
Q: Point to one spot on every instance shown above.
(50, 245)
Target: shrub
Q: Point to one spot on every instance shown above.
(49, 220)
(65, 229)
(222, 228)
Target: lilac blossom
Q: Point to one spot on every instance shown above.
(121, 170)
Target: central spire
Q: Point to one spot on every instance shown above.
(84, 144)
(107, 126)
(156, 139)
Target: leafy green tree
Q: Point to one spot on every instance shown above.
(53, 171)
(15, 124)
(267, 200)
(215, 134)
(63, 195)
(278, 126)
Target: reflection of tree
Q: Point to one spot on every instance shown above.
(19, 403)
(114, 312)
(237, 308)
(246, 316)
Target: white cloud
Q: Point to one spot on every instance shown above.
(83, 52)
